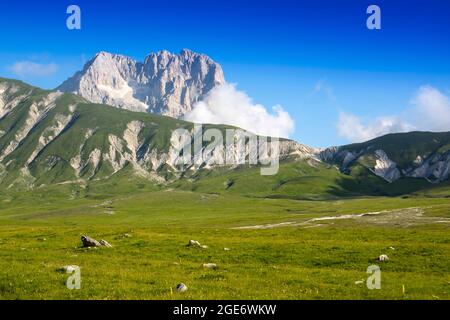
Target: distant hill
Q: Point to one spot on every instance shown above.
(394, 156)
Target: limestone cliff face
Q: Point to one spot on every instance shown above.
(165, 83)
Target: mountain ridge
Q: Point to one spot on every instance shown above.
(415, 154)
(50, 137)
(164, 83)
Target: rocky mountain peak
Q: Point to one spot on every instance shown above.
(165, 83)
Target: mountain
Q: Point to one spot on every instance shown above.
(51, 137)
(165, 83)
(395, 156)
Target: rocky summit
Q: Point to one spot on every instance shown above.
(165, 83)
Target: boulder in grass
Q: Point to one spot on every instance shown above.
(210, 265)
(181, 287)
(89, 242)
(195, 243)
(105, 243)
(383, 258)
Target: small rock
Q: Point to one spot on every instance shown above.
(105, 243)
(226, 249)
(127, 235)
(195, 243)
(181, 287)
(392, 248)
(383, 257)
(210, 265)
(89, 242)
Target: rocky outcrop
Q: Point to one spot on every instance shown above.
(385, 167)
(50, 133)
(435, 168)
(37, 111)
(165, 83)
(9, 99)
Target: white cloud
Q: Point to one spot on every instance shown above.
(430, 111)
(353, 129)
(224, 104)
(29, 68)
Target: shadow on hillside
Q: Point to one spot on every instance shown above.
(375, 186)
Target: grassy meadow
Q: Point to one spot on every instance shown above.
(280, 253)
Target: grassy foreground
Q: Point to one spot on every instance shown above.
(40, 232)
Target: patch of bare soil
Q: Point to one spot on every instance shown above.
(399, 217)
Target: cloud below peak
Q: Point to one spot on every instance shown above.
(225, 104)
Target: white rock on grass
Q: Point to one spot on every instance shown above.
(105, 243)
(89, 242)
(383, 257)
(195, 243)
(210, 265)
(181, 287)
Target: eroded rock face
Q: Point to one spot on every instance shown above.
(434, 167)
(7, 104)
(37, 111)
(165, 83)
(52, 132)
(385, 167)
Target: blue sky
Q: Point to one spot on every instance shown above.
(315, 58)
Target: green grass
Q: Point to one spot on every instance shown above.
(40, 229)
(40, 232)
(299, 180)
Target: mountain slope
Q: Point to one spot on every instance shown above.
(165, 83)
(395, 156)
(52, 137)
(49, 137)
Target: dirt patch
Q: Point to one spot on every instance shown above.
(400, 217)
